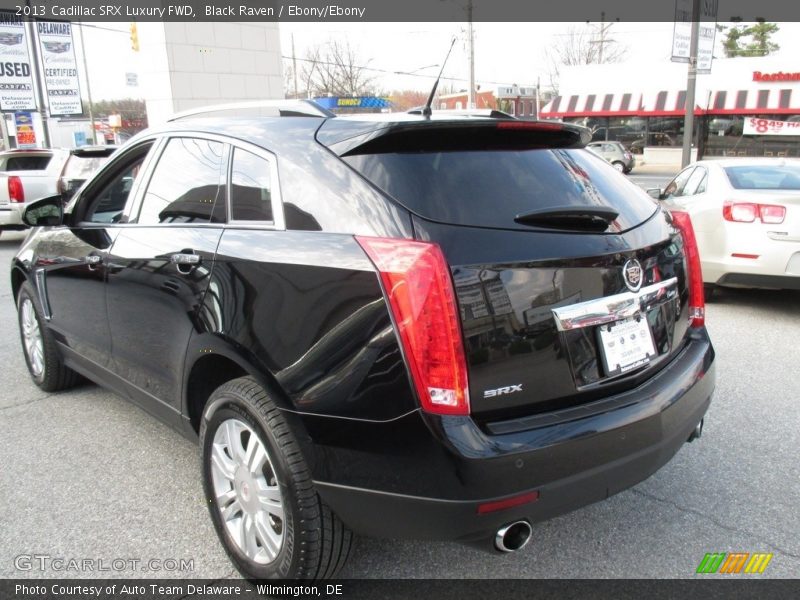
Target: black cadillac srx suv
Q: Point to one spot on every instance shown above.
(442, 328)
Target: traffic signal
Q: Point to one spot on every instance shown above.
(134, 38)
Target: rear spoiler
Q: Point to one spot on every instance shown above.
(347, 138)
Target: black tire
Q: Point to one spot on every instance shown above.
(709, 290)
(619, 166)
(54, 375)
(315, 544)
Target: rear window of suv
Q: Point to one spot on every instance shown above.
(490, 188)
(82, 167)
(27, 163)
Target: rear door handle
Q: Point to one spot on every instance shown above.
(185, 262)
(93, 260)
(183, 258)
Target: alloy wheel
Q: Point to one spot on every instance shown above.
(32, 337)
(247, 491)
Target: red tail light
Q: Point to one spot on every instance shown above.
(697, 301)
(15, 191)
(416, 280)
(747, 212)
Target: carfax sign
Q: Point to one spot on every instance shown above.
(60, 68)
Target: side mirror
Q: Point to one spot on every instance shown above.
(656, 193)
(47, 212)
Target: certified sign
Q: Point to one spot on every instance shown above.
(60, 68)
(16, 83)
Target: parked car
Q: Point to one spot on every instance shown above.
(746, 216)
(80, 165)
(26, 175)
(615, 153)
(281, 288)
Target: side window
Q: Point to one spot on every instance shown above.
(675, 188)
(187, 185)
(251, 188)
(695, 182)
(108, 204)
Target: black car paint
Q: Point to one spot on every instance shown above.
(303, 311)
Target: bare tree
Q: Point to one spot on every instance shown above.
(581, 46)
(335, 68)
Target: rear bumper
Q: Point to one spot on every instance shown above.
(570, 464)
(11, 214)
(765, 262)
(754, 280)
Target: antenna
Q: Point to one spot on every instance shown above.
(426, 110)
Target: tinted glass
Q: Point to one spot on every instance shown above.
(187, 184)
(27, 163)
(777, 177)
(251, 191)
(675, 187)
(81, 167)
(109, 204)
(695, 182)
(488, 189)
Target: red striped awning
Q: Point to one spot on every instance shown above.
(657, 104)
(772, 101)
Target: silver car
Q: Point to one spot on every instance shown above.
(746, 216)
(615, 153)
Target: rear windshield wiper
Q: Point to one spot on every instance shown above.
(581, 218)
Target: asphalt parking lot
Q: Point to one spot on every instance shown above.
(86, 475)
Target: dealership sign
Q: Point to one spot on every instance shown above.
(682, 33)
(756, 126)
(60, 68)
(16, 82)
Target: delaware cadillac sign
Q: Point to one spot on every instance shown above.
(60, 68)
(16, 83)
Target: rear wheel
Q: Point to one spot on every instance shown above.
(259, 491)
(44, 362)
(619, 166)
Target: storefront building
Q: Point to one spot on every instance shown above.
(744, 107)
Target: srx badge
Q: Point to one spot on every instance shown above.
(509, 389)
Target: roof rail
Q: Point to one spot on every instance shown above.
(257, 108)
(468, 112)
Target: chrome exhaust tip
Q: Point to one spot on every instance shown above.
(513, 536)
(697, 432)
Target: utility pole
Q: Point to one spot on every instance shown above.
(294, 68)
(688, 119)
(602, 31)
(30, 27)
(88, 84)
(471, 42)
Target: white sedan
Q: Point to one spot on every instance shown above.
(746, 216)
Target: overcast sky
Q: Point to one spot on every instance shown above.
(505, 53)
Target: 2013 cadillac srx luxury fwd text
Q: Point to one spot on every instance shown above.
(441, 327)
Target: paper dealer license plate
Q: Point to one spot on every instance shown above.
(627, 345)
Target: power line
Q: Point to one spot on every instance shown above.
(389, 71)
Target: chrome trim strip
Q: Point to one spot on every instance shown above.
(41, 285)
(614, 308)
